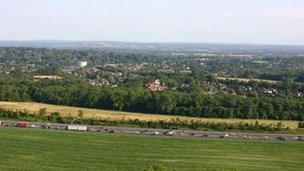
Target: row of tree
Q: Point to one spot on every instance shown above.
(73, 92)
(173, 124)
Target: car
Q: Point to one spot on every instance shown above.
(266, 137)
(48, 126)
(295, 138)
(224, 136)
(32, 126)
(170, 133)
(156, 133)
(57, 127)
(137, 132)
(22, 124)
(281, 138)
(192, 134)
(205, 135)
(247, 137)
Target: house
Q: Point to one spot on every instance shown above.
(82, 64)
(155, 86)
(48, 77)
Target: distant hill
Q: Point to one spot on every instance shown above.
(190, 47)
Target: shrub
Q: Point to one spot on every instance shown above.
(158, 167)
(301, 124)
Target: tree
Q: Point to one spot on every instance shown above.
(301, 124)
(55, 117)
(157, 167)
(42, 112)
(166, 103)
(80, 113)
(247, 110)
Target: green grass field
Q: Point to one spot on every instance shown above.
(31, 149)
(247, 80)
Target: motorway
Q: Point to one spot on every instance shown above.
(163, 132)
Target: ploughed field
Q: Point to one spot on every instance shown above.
(32, 107)
(35, 149)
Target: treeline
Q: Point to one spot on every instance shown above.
(73, 92)
(46, 57)
(173, 124)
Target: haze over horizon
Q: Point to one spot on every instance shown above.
(233, 21)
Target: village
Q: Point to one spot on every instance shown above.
(116, 74)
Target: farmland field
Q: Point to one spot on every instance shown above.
(260, 62)
(32, 149)
(247, 80)
(107, 114)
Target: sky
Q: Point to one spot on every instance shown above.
(220, 21)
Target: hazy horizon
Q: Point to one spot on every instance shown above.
(275, 22)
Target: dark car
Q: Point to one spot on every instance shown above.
(205, 135)
(281, 138)
(111, 131)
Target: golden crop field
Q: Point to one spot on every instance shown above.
(118, 115)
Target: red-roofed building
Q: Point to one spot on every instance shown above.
(155, 86)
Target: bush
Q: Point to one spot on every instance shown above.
(301, 124)
(158, 167)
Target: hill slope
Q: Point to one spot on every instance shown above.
(33, 149)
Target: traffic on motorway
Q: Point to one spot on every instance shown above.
(153, 132)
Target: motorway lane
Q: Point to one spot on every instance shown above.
(164, 132)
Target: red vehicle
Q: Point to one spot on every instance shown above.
(22, 124)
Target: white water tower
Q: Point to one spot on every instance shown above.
(82, 64)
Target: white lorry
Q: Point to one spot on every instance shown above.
(77, 127)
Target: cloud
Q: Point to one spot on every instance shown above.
(289, 14)
(30, 3)
(50, 14)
